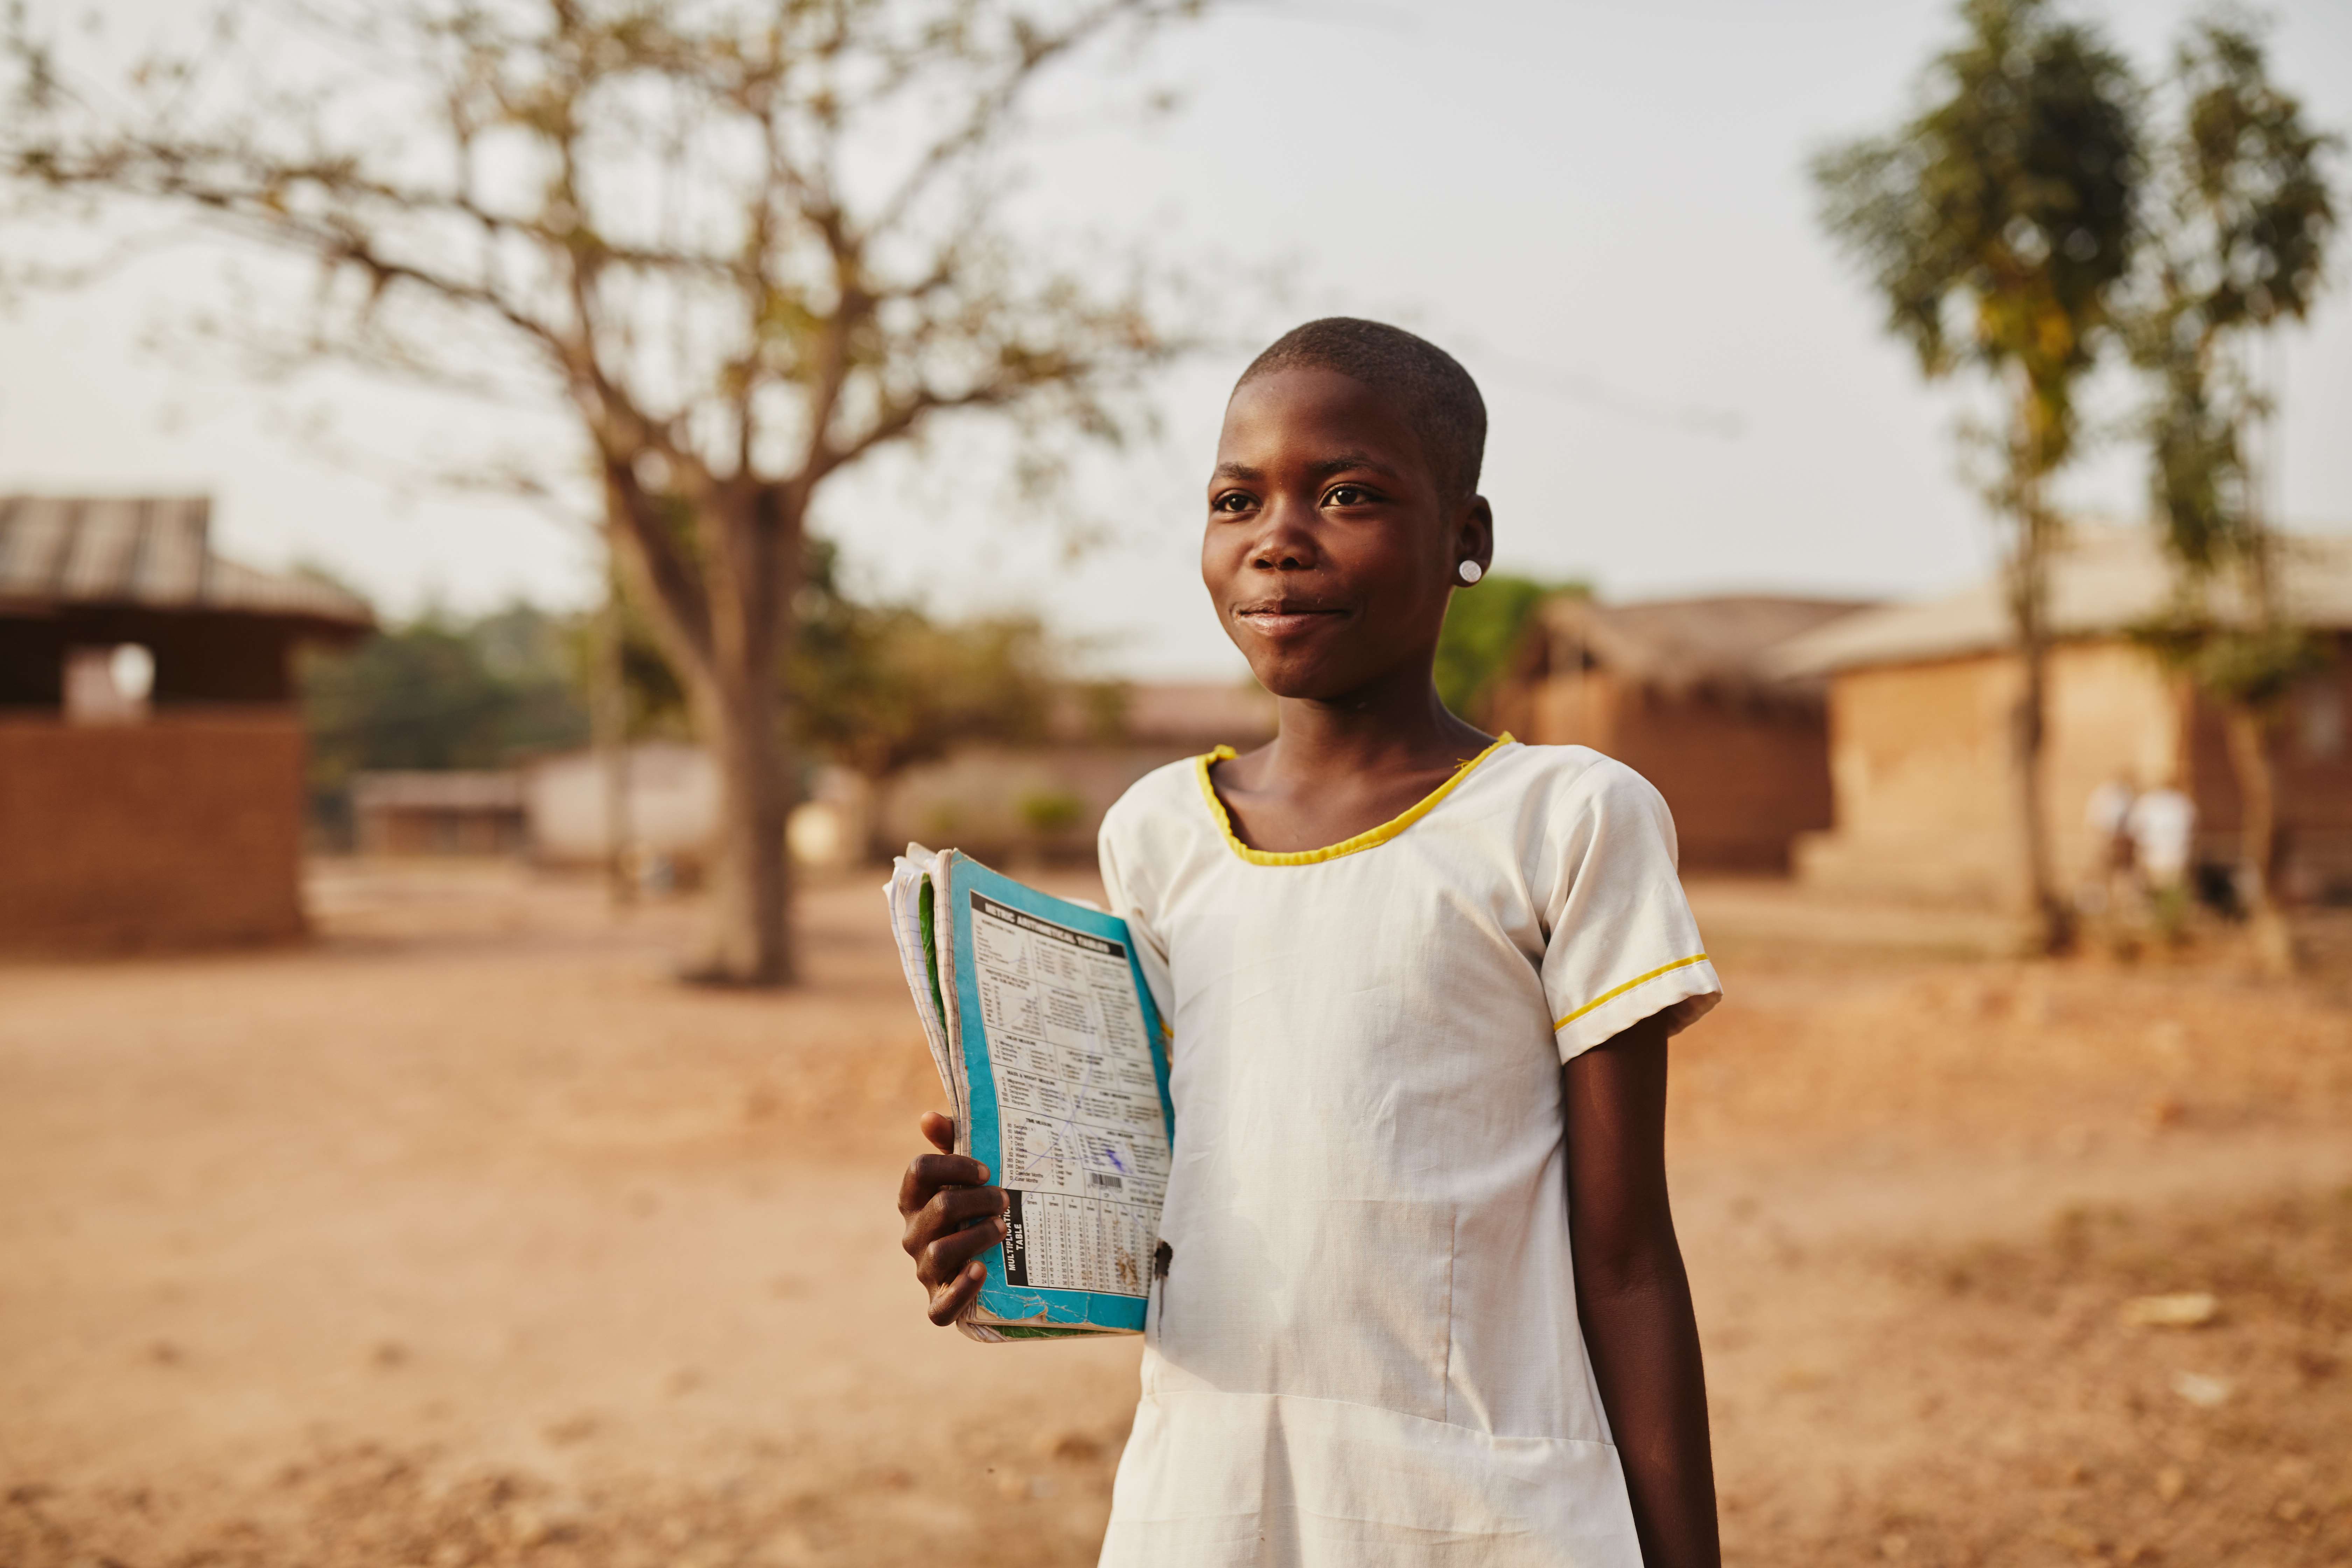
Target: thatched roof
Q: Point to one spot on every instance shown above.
(2104, 581)
(145, 553)
(1680, 645)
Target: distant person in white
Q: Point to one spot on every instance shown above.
(2108, 816)
(2163, 825)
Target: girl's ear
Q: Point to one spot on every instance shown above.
(1473, 534)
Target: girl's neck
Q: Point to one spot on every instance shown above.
(1391, 726)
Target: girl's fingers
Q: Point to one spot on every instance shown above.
(944, 1259)
(941, 1196)
(949, 1300)
(950, 1209)
(927, 1174)
(939, 1130)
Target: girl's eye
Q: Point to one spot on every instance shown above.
(1348, 495)
(1232, 500)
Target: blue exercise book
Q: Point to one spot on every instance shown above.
(1048, 1039)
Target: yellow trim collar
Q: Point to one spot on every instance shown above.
(1369, 839)
(1637, 980)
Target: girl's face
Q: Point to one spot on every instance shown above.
(1330, 551)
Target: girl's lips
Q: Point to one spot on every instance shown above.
(1287, 623)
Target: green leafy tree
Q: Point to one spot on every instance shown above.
(2241, 218)
(1483, 625)
(440, 692)
(737, 246)
(875, 687)
(881, 686)
(1996, 224)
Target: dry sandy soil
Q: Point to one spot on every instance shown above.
(466, 1236)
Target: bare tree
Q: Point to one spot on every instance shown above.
(743, 245)
(1996, 225)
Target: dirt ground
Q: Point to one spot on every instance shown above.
(464, 1236)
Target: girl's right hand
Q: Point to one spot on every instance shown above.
(952, 1216)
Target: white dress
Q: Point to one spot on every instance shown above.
(1365, 1349)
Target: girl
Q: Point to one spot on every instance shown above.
(1422, 1301)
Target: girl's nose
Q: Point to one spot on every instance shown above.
(1287, 542)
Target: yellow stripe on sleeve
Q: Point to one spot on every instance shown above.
(1637, 980)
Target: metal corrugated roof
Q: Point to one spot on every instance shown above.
(2103, 581)
(148, 551)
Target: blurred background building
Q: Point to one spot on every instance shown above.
(151, 752)
(1921, 699)
(1047, 800)
(456, 811)
(1678, 689)
(1018, 799)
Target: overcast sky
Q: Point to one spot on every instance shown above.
(1599, 208)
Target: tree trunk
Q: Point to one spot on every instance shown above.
(724, 621)
(2029, 588)
(873, 837)
(751, 573)
(749, 937)
(2250, 760)
(609, 718)
(2053, 923)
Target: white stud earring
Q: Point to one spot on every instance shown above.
(1470, 571)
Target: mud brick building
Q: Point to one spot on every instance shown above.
(1921, 704)
(1676, 689)
(445, 812)
(1047, 801)
(151, 756)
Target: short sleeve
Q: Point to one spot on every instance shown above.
(1621, 942)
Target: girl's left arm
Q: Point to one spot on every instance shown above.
(1634, 1297)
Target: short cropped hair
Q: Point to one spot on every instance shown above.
(1439, 396)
